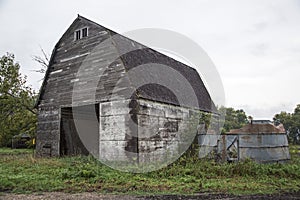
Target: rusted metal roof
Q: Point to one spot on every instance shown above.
(258, 129)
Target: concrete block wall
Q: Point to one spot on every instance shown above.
(149, 131)
(115, 134)
(160, 130)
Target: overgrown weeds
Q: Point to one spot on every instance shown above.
(23, 173)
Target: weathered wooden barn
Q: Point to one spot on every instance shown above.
(91, 103)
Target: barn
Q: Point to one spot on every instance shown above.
(112, 97)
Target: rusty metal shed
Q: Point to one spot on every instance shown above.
(259, 140)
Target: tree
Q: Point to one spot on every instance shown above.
(291, 123)
(16, 102)
(233, 118)
(43, 61)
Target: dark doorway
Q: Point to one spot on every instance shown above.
(79, 132)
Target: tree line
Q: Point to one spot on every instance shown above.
(291, 123)
(18, 116)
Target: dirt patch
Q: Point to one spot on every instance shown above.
(64, 196)
(96, 196)
(225, 197)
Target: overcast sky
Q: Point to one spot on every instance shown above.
(255, 44)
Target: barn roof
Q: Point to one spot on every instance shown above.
(145, 55)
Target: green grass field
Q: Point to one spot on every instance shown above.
(20, 172)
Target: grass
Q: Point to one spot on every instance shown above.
(9, 151)
(21, 173)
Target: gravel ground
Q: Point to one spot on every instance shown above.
(95, 196)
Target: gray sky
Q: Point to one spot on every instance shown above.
(255, 44)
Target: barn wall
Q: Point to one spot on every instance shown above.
(159, 127)
(115, 131)
(74, 76)
(48, 132)
(65, 87)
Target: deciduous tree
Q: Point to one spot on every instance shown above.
(16, 101)
(233, 118)
(291, 123)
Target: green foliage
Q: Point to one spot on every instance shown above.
(23, 173)
(291, 123)
(190, 135)
(16, 102)
(233, 118)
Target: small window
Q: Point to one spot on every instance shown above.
(77, 35)
(84, 32)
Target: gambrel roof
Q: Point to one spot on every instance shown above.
(63, 63)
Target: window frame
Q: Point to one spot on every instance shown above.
(81, 33)
(87, 32)
(77, 35)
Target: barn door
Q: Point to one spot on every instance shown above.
(79, 134)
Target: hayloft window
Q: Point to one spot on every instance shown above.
(84, 32)
(77, 35)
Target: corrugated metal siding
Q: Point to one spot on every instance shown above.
(208, 143)
(269, 140)
(264, 154)
(264, 147)
(259, 147)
